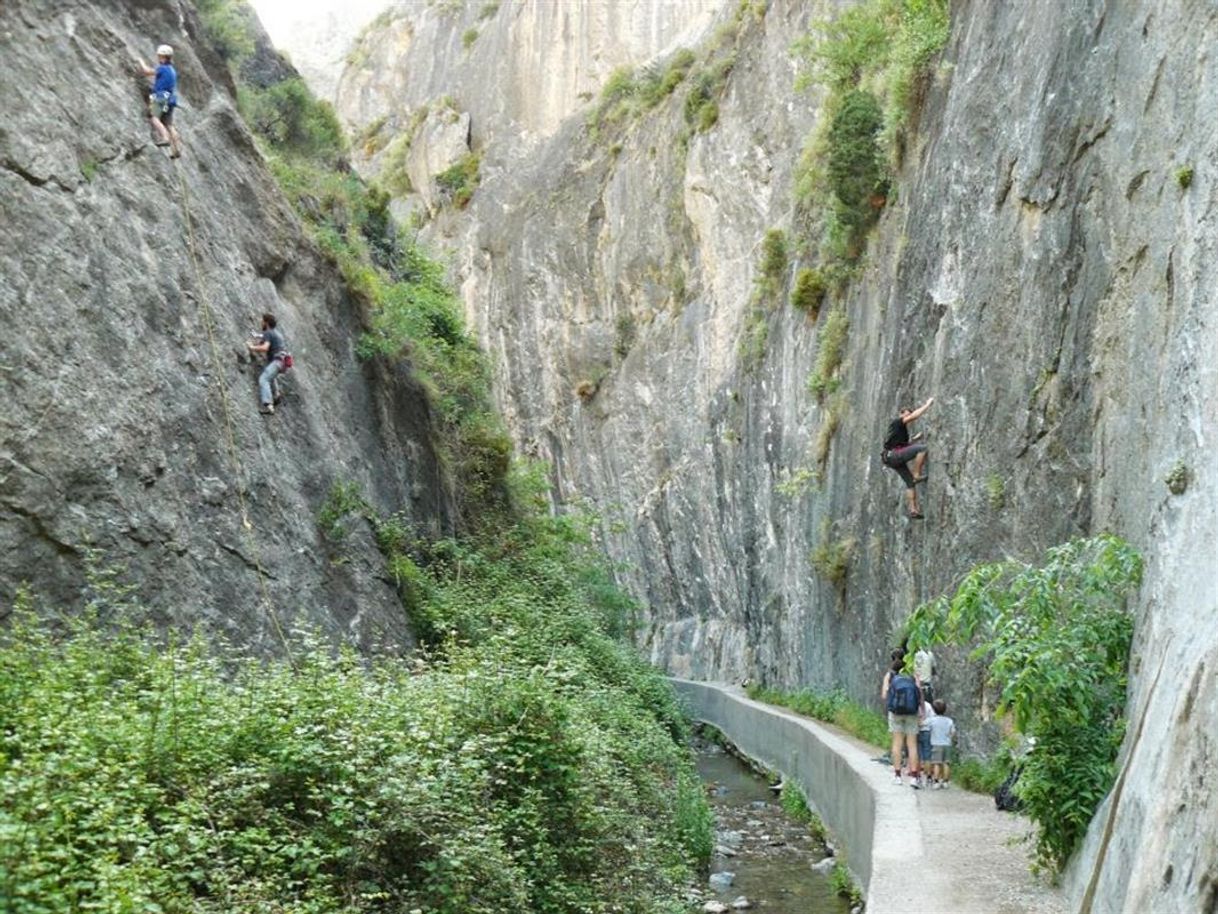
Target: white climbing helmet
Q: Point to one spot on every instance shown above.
(164, 51)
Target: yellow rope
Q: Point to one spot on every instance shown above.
(230, 434)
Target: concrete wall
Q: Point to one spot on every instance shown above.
(850, 791)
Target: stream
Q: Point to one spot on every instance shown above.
(769, 854)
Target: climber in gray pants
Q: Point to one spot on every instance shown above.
(900, 449)
(278, 360)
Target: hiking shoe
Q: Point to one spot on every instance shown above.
(915, 785)
(176, 154)
(896, 779)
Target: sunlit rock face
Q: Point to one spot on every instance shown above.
(1041, 270)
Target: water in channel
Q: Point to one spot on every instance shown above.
(770, 854)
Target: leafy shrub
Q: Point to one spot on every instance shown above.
(830, 558)
(228, 27)
(809, 291)
(1184, 176)
(291, 119)
(995, 491)
(828, 428)
(458, 181)
(844, 885)
(795, 805)
(468, 37)
(855, 171)
(628, 93)
(830, 351)
(1178, 478)
(1056, 639)
(753, 340)
(534, 764)
(773, 263)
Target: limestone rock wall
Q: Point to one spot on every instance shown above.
(1042, 271)
(114, 432)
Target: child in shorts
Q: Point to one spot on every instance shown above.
(942, 734)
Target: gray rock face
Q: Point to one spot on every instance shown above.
(1043, 273)
(128, 287)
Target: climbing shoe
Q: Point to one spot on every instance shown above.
(918, 479)
(267, 409)
(916, 515)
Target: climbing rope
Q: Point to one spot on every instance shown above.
(230, 435)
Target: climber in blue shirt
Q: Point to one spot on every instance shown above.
(163, 100)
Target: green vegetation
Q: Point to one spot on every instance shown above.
(981, 775)
(701, 105)
(752, 347)
(1056, 639)
(1184, 176)
(88, 169)
(526, 761)
(625, 332)
(797, 482)
(773, 264)
(628, 94)
(292, 121)
(834, 412)
(488, 10)
(995, 492)
(1178, 478)
(457, 182)
(874, 58)
(469, 37)
(809, 291)
(844, 885)
(833, 707)
(830, 558)
(795, 805)
(228, 26)
(830, 352)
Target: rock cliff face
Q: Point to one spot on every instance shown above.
(128, 286)
(1044, 272)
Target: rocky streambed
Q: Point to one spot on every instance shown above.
(764, 859)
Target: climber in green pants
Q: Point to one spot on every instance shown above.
(900, 449)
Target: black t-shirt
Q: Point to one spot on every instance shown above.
(898, 434)
(275, 340)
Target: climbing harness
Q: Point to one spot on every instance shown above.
(230, 434)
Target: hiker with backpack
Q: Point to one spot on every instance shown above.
(900, 449)
(163, 99)
(902, 696)
(278, 360)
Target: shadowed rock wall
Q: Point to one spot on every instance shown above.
(113, 432)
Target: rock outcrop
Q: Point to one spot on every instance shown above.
(128, 287)
(1043, 272)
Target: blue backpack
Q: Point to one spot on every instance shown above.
(903, 695)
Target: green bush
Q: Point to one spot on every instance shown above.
(830, 352)
(830, 558)
(753, 341)
(809, 291)
(228, 26)
(855, 170)
(1184, 176)
(457, 182)
(532, 764)
(468, 37)
(293, 121)
(1056, 639)
(844, 885)
(773, 266)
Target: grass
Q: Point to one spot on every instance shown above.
(468, 37)
(833, 707)
(752, 347)
(458, 181)
(809, 291)
(773, 265)
(830, 558)
(844, 885)
(795, 805)
(828, 428)
(1184, 177)
(830, 352)
(995, 492)
(629, 93)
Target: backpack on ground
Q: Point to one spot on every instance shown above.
(903, 695)
(1005, 797)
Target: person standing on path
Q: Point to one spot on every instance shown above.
(902, 696)
(163, 99)
(900, 449)
(278, 360)
(924, 719)
(942, 735)
(924, 669)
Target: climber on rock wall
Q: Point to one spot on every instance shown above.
(163, 99)
(900, 449)
(278, 360)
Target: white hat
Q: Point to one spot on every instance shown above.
(164, 51)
